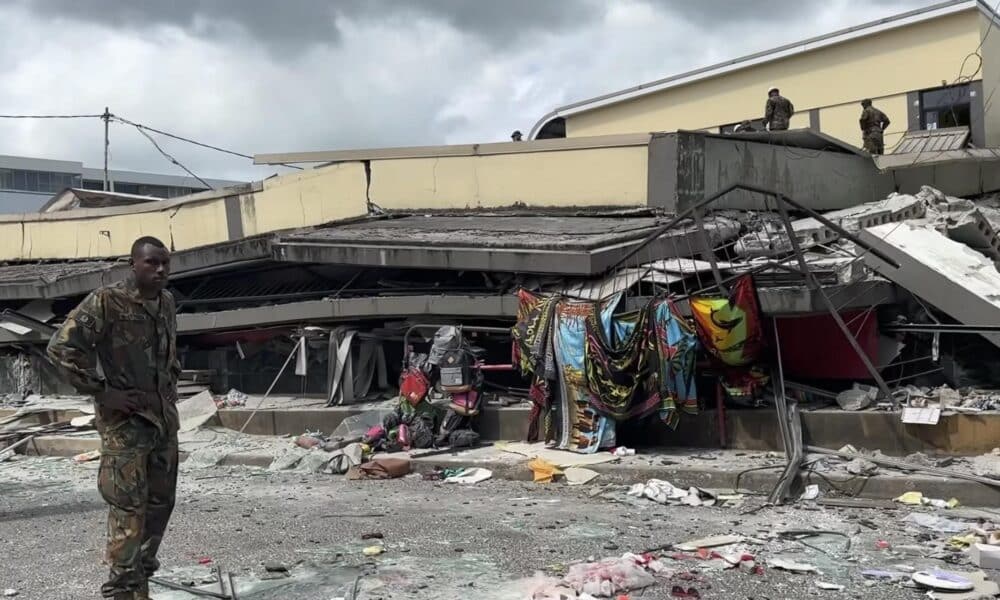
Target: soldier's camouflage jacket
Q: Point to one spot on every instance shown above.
(115, 339)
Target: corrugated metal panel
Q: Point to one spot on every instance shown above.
(932, 140)
(920, 159)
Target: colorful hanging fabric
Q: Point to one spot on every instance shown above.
(533, 353)
(730, 328)
(616, 368)
(676, 345)
(581, 427)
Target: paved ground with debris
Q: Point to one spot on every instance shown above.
(442, 541)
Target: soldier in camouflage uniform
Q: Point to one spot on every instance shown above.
(119, 344)
(873, 126)
(778, 111)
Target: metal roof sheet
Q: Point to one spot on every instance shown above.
(932, 140)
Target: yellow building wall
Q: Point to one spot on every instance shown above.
(298, 200)
(615, 176)
(991, 80)
(842, 121)
(883, 64)
(310, 197)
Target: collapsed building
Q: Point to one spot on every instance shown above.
(884, 292)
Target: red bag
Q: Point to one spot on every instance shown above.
(413, 385)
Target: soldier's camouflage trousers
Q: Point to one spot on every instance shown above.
(873, 142)
(138, 479)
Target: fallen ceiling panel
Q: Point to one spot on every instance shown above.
(953, 277)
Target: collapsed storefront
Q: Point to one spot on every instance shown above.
(623, 322)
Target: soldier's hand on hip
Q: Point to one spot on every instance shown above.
(120, 400)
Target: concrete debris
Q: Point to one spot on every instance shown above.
(772, 238)
(196, 411)
(951, 276)
(858, 397)
(985, 556)
(580, 475)
(863, 467)
(987, 465)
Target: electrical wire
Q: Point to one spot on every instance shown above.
(172, 159)
(142, 127)
(51, 116)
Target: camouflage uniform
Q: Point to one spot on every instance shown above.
(873, 123)
(778, 112)
(131, 341)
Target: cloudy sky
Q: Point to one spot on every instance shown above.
(271, 76)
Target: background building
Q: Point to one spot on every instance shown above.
(26, 184)
(931, 68)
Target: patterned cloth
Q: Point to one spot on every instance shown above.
(730, 328)
(582, 428)
(533, 352)
(609, 368)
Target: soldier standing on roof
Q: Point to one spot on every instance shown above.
(778, 111)
(873, 126)
(120, 345)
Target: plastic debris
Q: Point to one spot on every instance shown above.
(943, 581)
(470, 476)
(543, 470)
(939, 524)
(810, 493)
(918, 499)
(623, 451)
(373, 550)
(665, 492)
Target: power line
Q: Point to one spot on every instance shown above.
(172, 159)
(142, 127)
(51, 116)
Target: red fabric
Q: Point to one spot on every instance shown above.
(813, 347)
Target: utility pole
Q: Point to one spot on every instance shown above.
(107, 119)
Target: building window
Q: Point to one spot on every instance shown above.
(946, 107)
(37, 181)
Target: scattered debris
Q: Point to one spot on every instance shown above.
(196, 411)
(709, 542)
(833, 587)
(791, 565)
(985, 556)
(470, 476)
(665, 492)
(862, 466)
(543, 470)
(580, 475)
(810, 493)
(87, 456)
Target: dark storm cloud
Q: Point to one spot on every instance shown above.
(296, 25)
(728, 12)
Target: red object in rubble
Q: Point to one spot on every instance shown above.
(882, 545)
(204, 560)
